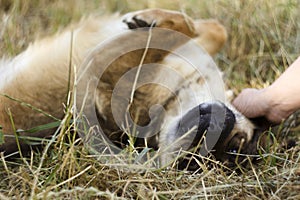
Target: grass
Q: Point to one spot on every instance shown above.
(264, 39)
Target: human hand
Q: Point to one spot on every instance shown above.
(251, 102)
(255, 103)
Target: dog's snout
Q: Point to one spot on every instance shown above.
(213, 118)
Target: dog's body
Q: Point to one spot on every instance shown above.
(40, 77)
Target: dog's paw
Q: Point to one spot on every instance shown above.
(139, 20)
(167, 19)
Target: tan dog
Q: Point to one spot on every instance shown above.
(39, 78)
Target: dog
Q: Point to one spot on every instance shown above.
(34, 86)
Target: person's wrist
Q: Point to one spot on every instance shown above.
(268, 98)
(277, 108)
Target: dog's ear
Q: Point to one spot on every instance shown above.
(212, 35)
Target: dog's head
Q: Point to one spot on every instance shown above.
(236, 135)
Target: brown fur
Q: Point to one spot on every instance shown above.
(39, 76)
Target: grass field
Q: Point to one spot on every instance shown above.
(264, 39)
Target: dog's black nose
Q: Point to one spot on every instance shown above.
(214, 120)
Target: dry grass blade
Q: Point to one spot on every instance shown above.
(263, 40)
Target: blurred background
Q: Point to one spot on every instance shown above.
(264, 39)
